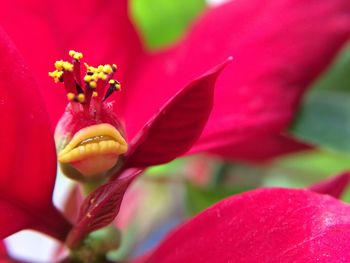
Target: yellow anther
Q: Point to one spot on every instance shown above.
(81, 97)
(102, 76)
(67, 66)
(59, 64)
(94, 77)
(78, 56)
(100, 68)
(93, 84)
(107, 69)
(75, 55)
(111, 82)
(89, 68)
(70, 96)
(117, 86)
(94, 94)
(56, 75)
(87, 78)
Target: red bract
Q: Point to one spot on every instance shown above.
(334, 186)
(267, 225)
(3, 251)
(28, 160)
(275, 61)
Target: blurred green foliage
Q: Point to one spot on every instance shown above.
(324, 118)
(162, 22)
(316, 164)
(199, 198)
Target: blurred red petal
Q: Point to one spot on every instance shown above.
(177, 126)
(266, 225)
(274, 61)
(3, 250)
(102, 30)
(334, 186)
(73, 203)
(4, 256)
(28, 155)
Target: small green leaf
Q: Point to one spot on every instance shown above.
(162, 22)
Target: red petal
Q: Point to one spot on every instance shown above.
(274, 61)
(101, 206)
(334, 186)
(176, 127)
(3, 250)
(267, 225)
(27, 152)
(102, 30)
(4, 256)
(73, 203)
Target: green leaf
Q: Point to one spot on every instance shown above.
(324, 118)
(162, 22)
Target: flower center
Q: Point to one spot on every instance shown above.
(91, 134)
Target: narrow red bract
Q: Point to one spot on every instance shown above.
(266, 225)
(334, 186)
(177, 126)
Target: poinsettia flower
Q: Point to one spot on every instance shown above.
(28, 166)
(265, 225)
(266, 81)
(91, 141)
(91, 144)
(257, 96)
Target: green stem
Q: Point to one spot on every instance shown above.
(97, 244)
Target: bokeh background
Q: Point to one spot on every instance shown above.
(168, 195)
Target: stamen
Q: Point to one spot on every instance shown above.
(113, 86)
(70, 96)
(96, 80)
(75, 55)
(81, 98)
(93, 84)
(56, 75)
